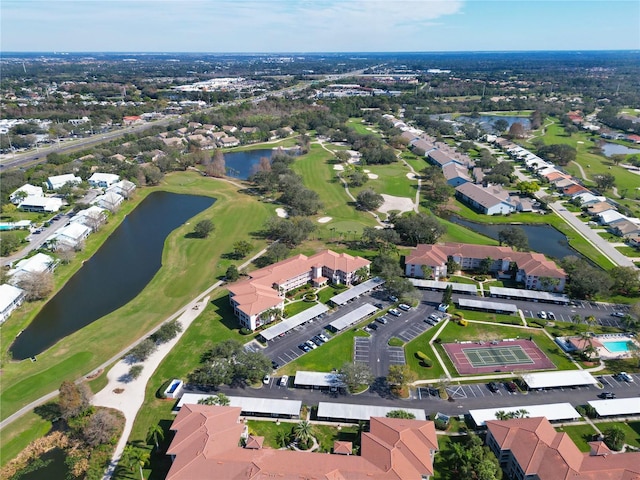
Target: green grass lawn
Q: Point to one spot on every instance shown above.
(294, 308)
(580, 434)
(490, 317)
(320, 177)
(325, 434)
(362, 128)
(392, 180)
(631, 431)
(421, 344)
(395, 342)
(18, 435)
(629, 251)
(465, 280)
(461, 234)
(269, 430)
(172, 287)
(332, 355)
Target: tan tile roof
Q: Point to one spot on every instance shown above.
(405, 444)
(256, 294)
(551, 455)
(531, 263)
(342, 448)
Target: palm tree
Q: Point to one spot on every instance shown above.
(132, 457)
(502, 415)
(303, 431)
(282, 438)
(521, 413)
(154, 433)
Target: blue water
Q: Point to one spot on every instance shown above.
(243, 164)
(610, 149)
(116, 273)
(617, 347)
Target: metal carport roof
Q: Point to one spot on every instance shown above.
(566, 378)
(552, 411)
(352, 317)
(351, 411)
(616, 406)
(356, 291)
(290, 323)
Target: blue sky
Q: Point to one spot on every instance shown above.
(318, 25)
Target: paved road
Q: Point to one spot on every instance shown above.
(596, 240)
(465, 397)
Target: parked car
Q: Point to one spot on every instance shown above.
(304, 347)
(511, 386)
(607, 395)
(266, 379)
(626, 377)
(434, 317)
(372, 326)
(323, 337)
(543, 315)
(429, 321)
(382, 320)
(551, 315)
(378, 305)
(393, 298)
(317, 341)
(311, 344)
(395, 312)
(405, 307)
(275, 365)
(284, 380)
(443, 307)
(493, 386)
(618, 314)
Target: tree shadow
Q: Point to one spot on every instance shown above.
(380, 387)
(49, 411)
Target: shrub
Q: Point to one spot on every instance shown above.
(421, 356)
(440, 424)
(463, 322)
(437, 340)
(426, 363)
(245, 331)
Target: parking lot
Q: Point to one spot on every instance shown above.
(476, 390)
(361, 347)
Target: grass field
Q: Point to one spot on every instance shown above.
(631, 431)
(392, 180)
(363, 129)
(172, 287)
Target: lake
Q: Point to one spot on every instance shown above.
(610, 149)
(114, 275)
(542, 238)
(243, 164)
(486, 121)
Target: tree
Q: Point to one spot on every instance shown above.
(277, 251)
(203, 228)
(418, 228)
(282, 438)
(154, 434)
(217, 166)
(500, 125)
(626, 280)
(36, 285)
(447, 295)
(354, 375)
(251, 366)
(141, 352)
(101, 428)
(167, 331)
(401, 414)
(614, 437)
(303, 432)
(400, 376)
(516, 130)
(369, 200)
(134, 457)
(290, 231)
(242, 248)
(558, 153)
(528, 188)
(219, 399)
(514, 237)
(73, 399)
(485, 265)
(232, 274)
(584, 280)
(9, 242)
(605, 181)
(358, 178)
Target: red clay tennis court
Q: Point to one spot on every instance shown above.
(472, 358)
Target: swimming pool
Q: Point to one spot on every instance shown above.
(617, 346)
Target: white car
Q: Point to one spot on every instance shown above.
(543, 315)
(284, 380)
(626, 377)
(323, 337)
(395, 312)
(618, 314)
(266, 379)
(404, 306)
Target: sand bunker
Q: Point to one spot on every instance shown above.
(372, 176)
(338, 167)
(281, 212)
(401, 204)
(324, 220)
(411, 176)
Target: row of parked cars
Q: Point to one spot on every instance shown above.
(510, 386)
(434, 318)
(313, 343)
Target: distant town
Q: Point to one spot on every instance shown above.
(222, 266)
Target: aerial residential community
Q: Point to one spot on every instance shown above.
(322, 265)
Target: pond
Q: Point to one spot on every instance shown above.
(542, 238)
(610, 149)
(115, 275)
(48, 466)
(486, 121)
(243, 164)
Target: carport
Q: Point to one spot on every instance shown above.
(497, 307)
(264, 407)
(317, 380)
(348, 412)
(616, 406)
(553, 412)
(355, 292)
(465, 288)
(529, 295)
(291, 323)
(566, 378)
(352, 317)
